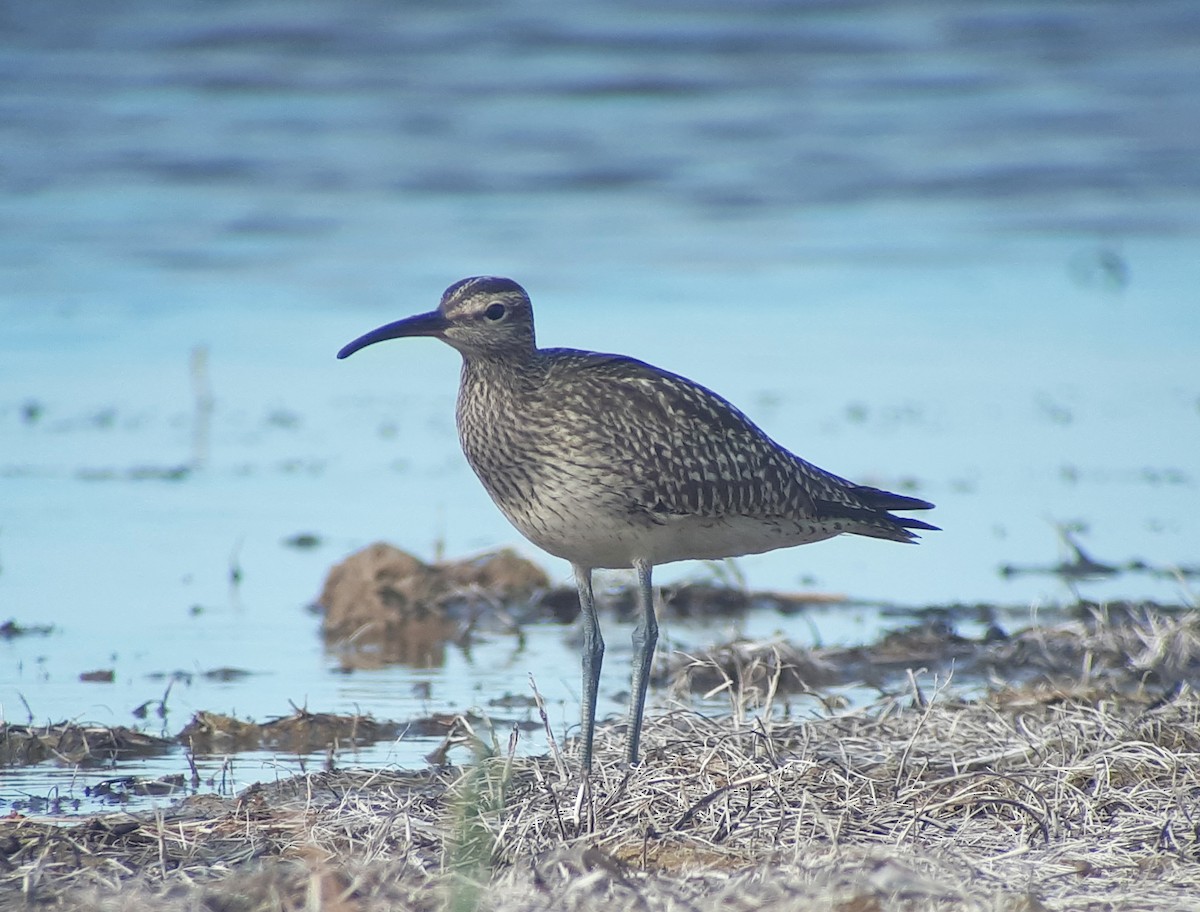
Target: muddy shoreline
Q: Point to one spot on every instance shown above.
(1048, 768)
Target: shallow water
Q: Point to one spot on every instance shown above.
(946, 248)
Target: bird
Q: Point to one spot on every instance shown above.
(609, 462)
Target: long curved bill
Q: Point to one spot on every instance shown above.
(426, 324)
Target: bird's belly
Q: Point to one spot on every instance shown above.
(586, 524)
(596, 532)
(700, 538)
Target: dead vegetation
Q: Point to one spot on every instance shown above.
(1078, 786)
(71, 743)
(1124, 647)
(300, 733)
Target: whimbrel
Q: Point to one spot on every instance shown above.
(609, 462)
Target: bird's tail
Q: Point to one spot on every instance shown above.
(873, 517)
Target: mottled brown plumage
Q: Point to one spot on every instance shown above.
(607, 461)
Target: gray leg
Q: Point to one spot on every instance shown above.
(593, 658)
(645, 636)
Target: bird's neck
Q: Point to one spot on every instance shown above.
(494, 400)
(503, 370)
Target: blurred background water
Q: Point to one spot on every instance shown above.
(948, 248)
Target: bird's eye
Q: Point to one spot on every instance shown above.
(495, 311)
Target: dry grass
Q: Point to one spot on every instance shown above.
(1083, 794)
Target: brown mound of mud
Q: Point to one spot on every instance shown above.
(393, 607)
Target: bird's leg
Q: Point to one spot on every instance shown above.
(645, 636)
(593, 658)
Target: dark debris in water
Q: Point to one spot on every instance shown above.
(225, 674)
(221, 674)
(32, 411)
(1080, 565)
(137, 473)
(303, 541)
(11, 630)
(714, 600)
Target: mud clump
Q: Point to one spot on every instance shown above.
(388, 603)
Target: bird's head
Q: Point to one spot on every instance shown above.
(481, 316)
